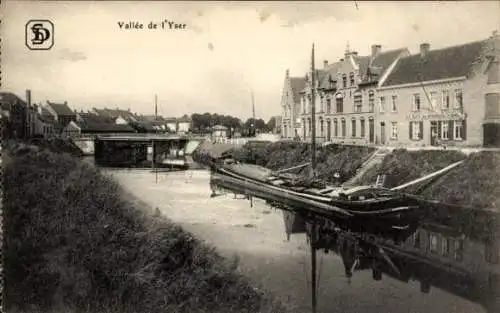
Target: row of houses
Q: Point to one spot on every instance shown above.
(25, 120)
(448, 96)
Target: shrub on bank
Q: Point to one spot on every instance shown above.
(331, 159)
(74, 244)
(474, 183)
(56, 145)
(402, 166)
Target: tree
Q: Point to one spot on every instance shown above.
(271, 124)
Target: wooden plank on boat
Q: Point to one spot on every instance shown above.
(326, 190)
(278, 182)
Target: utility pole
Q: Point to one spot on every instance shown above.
(313, 166)
(253, 114)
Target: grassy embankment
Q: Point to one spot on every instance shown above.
(475, 183)
(331, 159)
(74, 244)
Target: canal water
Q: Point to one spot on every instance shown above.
(257, 235)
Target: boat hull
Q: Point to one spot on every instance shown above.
(398, 211)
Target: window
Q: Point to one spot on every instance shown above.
(353, 128)
(371, 101)
(445, 105)
(458, 130)
(445, 130)
(358, 102)
(416, 102)
(328, 105)
(433, 241)
(433, 100)
(382, 104)
(332, 83)
(416, 130)
(362, 124)
(445, 247)
(458, 99)
(335, 128)
(394, 130)
(458, 250)
(351, 78)
(339, 102)
(394, 103)
(343, 128)
(321, 127)
(344, 81)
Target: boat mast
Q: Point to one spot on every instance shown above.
(253, 113)
(156, 107)
(313, 238)
(313, 112)
(153, 155)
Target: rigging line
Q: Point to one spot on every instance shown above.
(419, 76)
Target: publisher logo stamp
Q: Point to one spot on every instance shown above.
(39, 34)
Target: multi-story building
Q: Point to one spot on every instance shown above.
(61, 113)
(345, 96)
(290, 106)
(445, 97)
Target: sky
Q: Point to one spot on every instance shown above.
(226, 50)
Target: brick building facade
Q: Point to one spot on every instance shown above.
(444, 97)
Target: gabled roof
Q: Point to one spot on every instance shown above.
(297, 84)
(61, 108)
(450, 62)
(115, 113)
(46, 118)
(10, 98)
(330, 74)
(320, 75)
(372, 68)
(94, 123)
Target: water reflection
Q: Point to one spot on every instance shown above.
(452, 248)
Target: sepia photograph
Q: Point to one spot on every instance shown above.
(250, 156)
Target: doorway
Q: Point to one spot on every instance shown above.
(371, 130)
(382, 133)
(328, 130)
(434, 133)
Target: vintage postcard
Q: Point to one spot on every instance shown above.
(250, 156)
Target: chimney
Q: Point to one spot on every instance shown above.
(66, 102)
(325, 63)
(28, 98)
(424, 48)
(341, 60)
(376, 49)
(287, 73)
